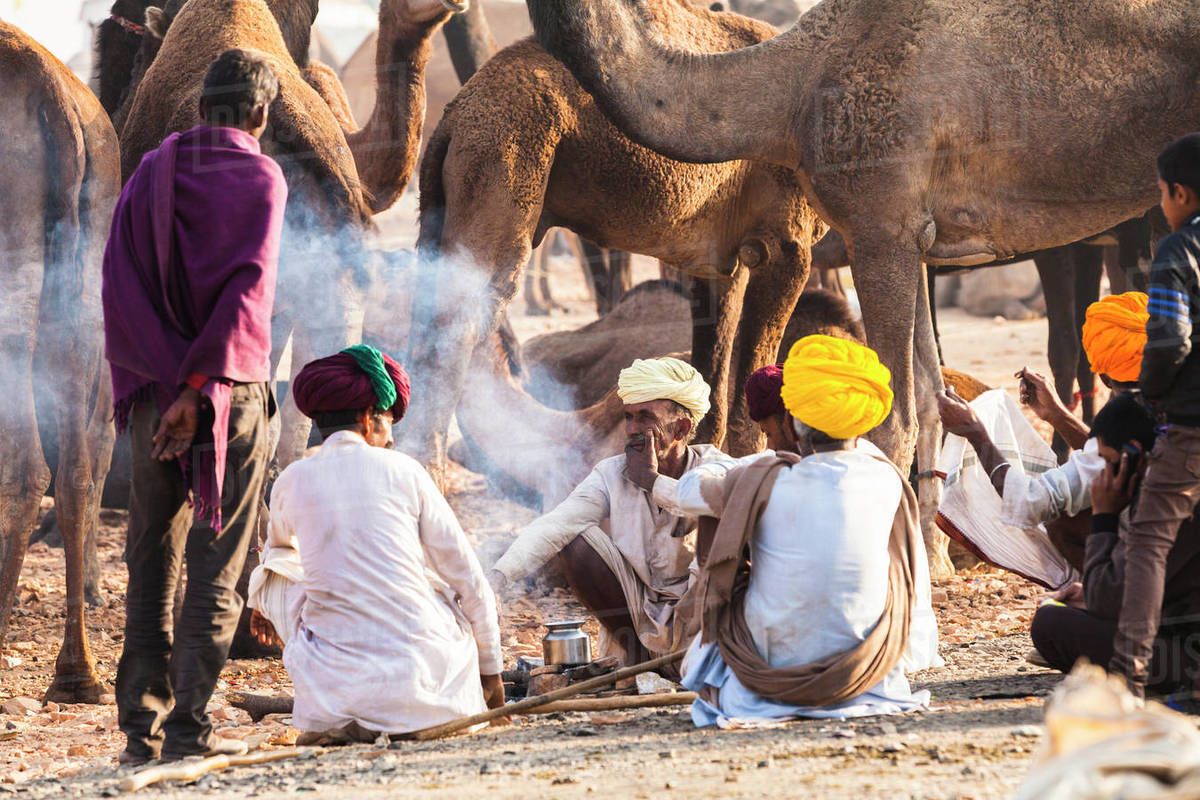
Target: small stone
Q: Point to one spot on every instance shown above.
(1031, 731)
(286, 737)
(966, 771)
(731, 778)
(894, 747)
(585, 732)
(939, 596)
(653, 683)
(888, 728)
(50, 706)
(21, 706)
(77, 750)
(108, 699)
(669, 785)
(562, 781)
(488, 768)
(667, 754)
(844, 733)
(766, 763)
(12, 661)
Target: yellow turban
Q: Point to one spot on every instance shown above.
(836, 386)
(664, 378)
(1114, 335)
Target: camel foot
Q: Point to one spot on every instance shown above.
(91, 596)
(83, 688)
(260, 705)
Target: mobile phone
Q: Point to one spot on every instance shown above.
(1134, 454)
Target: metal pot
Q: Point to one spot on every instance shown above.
(566, 643)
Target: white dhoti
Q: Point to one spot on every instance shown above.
(972, 511)
(652, 610)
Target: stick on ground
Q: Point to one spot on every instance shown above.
(191, 770)
(524, 706)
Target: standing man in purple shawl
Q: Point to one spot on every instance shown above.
(189, 281)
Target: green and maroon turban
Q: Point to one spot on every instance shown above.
(357, 377)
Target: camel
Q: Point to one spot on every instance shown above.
(62, 179)
(563, 164)
(888, 112)
(338, 176)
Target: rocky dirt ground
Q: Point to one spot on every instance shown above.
(977, 740)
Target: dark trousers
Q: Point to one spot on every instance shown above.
(1063, 635)
(163, 686)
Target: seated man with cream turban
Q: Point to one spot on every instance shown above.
(388, 622)
(832, 606)
(1014, 504)
(625, 556)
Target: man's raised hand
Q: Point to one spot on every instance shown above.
(1036, 393)
(641, 463)
(957, 415)
(1113, 489)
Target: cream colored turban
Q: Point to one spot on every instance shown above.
(664, 378)
(836, 386)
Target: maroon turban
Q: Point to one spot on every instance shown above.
(762, 392)
(357, 377)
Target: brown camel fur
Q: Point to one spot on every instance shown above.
(59, 152)
(561, 163)
(935, 131)
(336, 180)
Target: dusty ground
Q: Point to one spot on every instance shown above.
(976, 741)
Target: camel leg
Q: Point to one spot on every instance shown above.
(1056, 268)
(770, 297)
(620, 274)
(537, 299)
(323, 325)
(463, 282)
(1088, 263)
(595, 265)
(716, 308)
(887, 274)
(928, 374)
(77, 504)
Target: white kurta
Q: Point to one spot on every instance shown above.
(396, 622)
(649, 548)
(818, 585)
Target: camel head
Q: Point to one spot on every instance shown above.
(425, 11)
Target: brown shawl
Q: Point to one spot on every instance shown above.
(725, 576)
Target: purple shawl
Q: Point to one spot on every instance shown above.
(189, 282)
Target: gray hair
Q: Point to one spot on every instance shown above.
(810, 435)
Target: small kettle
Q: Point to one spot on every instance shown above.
(566, 643)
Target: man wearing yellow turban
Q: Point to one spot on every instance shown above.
(835, 551)
(624, 554)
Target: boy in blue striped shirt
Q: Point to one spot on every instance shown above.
(1170, 381)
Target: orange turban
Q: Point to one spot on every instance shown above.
(1114, 335)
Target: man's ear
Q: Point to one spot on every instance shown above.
(683, 428)
(258, 116)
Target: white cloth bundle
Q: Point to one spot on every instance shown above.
(971, 509)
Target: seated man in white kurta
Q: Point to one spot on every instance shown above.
(810, 594)
(627, 558)
(388, 622)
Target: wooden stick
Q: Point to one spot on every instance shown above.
(191, 770)
(617, 703)
(523, 706)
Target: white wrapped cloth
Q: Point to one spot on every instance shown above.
(972, 511)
